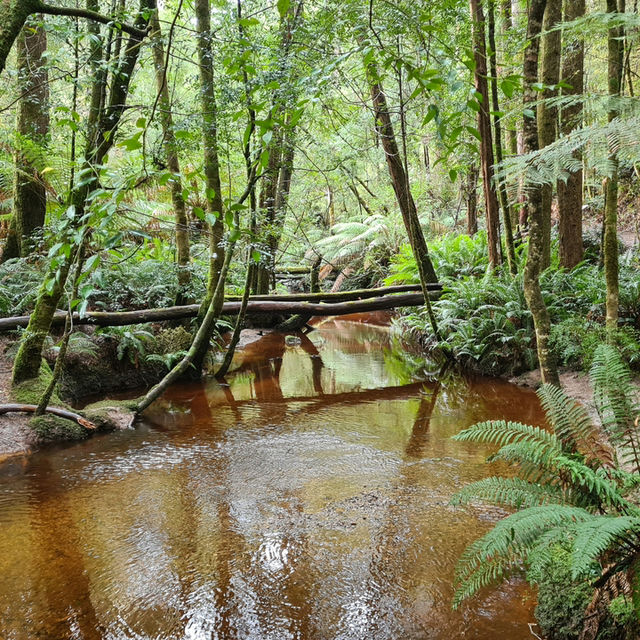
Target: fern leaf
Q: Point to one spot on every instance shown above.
(594, 537)
(573, 425)
(512, 492)
(502, 432)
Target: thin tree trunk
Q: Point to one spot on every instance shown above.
(548, 114)
(398, 176)
(497, 127)
(610, 244)
(535, 257)
(472, 200)
(571, 249)
(237, 330)
(29, 195)
(213, 189)
(173, 163)
(484, 128)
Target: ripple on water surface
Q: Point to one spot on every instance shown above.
(308, 499)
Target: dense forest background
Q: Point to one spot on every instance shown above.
(166, 154)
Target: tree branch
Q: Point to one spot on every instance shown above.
(43, 7)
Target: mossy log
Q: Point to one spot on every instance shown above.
(273, 305)
(56, 411)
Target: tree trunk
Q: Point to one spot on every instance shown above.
(14, 13)
(484, 128)
(268, 190)
(29, 356)
(398, 177)
(548, 114)
(472, 200)
(213, 189)
(570, 248)
(497, 127)
(535, 257)
(610, 245)
(30, 198)
(173, 164)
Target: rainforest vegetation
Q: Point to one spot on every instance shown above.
(479, 157)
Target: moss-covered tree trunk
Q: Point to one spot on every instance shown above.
(484, 128)
(173, 163)
(548, 113)
(497, 127)
(32, 128)
(29, 357)
(570, 247)
(209, 108)
(535, 257)
(610, 246)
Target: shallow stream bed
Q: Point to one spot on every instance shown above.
(307, 499)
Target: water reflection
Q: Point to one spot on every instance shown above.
(304, 497)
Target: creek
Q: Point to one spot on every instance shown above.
(307, 499)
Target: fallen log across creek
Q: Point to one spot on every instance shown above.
(272, 305)
(56, 411)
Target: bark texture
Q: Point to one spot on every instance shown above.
(571, 249)
(535, 257)
(209, 108)
(610, 245)
(398, 177)
(547, 113)
(486, 138)
(30, 198)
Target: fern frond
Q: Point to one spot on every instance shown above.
(574, 427)
(616, 402)
(512, 492)
(594, 537)
(502, 432)
(508, 543)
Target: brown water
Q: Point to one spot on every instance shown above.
(308, 499)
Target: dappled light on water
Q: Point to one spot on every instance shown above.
(306, 496)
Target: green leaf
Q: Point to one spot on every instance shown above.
(283, 7)
(453, 174)
(255, 255)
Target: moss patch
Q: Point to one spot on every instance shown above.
(48, 428)
(110, 415)
(30, 391)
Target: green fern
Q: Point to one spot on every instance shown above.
(569, 489)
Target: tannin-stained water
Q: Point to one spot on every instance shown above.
(307, 499)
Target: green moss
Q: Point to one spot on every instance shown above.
(109, 415)
(50, 428)
(30, 391)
